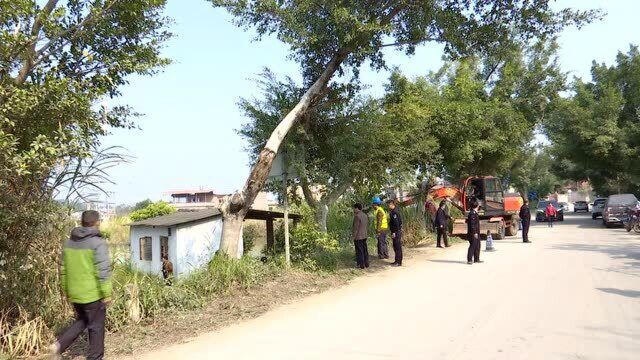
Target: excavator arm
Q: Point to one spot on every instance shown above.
(451, 193)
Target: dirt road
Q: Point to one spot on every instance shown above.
(574, 293)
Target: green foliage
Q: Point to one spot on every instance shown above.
(142, 204)
(250, 234)
(318, 30)
(152, 210)
(596, 132)
(313, 249)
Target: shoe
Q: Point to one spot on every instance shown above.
(395, 264)
(469, 262)
(527, 241)
(440, 246)
(479, 261)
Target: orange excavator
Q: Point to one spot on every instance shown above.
(498, 211)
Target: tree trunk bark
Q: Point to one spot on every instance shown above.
(230, 243)
(322, 210)
(236, 206)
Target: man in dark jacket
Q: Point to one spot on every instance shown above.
(85, 278)
(525, 216)
(395, 227)
(473, 234)
(359, 236)
(442, 223)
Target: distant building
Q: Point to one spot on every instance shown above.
(204, 198)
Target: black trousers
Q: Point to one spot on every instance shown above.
(442, 234)
(473, 254)
(525, 230)
(362, 253)
(89, 316)
(397, 247)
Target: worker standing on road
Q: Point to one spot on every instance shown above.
(359, 235)
(395, 227)
(525, 217)
(382, 226)
(473, 234)
(85, 278)
(442, 224)
(551, 213)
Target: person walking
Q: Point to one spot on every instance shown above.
(442, 224)
(359, 235)
(86, 280)
(551, 213)
(473, 234)
(382, 227)
(395, 228)
(525, 217)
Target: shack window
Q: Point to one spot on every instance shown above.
(146, 250)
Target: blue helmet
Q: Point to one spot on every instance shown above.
(376, 201)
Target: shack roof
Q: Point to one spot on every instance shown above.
(184, 217)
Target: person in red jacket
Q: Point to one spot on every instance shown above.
(551, 213)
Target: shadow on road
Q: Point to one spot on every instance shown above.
(449, 261)
(627, 293)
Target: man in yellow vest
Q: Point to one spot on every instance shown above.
(382, 227)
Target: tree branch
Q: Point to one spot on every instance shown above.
(334, 195)
(31, 54)
(40, 55)
(413, 42)
(306, 191)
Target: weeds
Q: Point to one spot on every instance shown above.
(23, 336)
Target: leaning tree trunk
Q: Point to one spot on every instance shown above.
(235, 207)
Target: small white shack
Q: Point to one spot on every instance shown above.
(188, 239)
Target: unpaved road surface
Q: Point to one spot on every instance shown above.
(574, 293)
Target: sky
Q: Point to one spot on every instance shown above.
(187, 136)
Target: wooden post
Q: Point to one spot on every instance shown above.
(285, 201)
(270, 237)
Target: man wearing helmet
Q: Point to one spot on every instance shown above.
(382, 227)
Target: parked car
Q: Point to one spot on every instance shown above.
(541, 214)
(615, 209)
(598, 207)
(580, 206)
(564, 206)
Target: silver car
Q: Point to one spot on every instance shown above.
(598, 208)
(580, 206)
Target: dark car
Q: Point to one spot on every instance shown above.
(598, 207)
(541, 214)
(615, 209)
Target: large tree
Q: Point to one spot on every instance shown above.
(329, 37)
(478, 116)
(596, 132)
(341, 141)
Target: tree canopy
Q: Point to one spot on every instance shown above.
(596, 131)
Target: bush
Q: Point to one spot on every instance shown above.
(250, 233)
(313, 249)
(152, 210)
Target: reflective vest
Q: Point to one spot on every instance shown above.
(385, 221)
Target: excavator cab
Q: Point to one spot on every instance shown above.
(488, 191)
